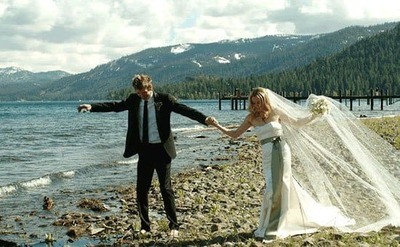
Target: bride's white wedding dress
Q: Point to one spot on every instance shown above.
(334, 172)
(287, 209)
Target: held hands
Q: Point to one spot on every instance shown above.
(211, 121)
(214, 122)
(84, 108)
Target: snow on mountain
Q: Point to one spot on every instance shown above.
(143, 65)
(276, 47)
(181, 48)
(238, 56)
(221, 59)
(197, 63)
(12, 75)
(10, 70)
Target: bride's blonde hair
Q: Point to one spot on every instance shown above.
(266, 109)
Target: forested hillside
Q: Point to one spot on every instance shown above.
(192, 62)
(372, 63)
(356, 57)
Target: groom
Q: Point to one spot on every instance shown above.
(149, 135)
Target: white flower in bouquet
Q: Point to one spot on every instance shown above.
(320, 106)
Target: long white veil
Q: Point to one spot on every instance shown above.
(343, 163)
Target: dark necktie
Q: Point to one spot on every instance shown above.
(145, 137)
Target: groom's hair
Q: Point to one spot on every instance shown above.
(142, 81)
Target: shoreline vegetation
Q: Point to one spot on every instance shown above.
(217, 205)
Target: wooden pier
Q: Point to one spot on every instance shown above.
(238, 101)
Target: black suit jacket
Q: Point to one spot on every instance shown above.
(164, 104)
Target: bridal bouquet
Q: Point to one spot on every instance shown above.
(319, 106)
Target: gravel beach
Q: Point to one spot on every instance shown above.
(217, 205)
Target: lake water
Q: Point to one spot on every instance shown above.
(49, 149)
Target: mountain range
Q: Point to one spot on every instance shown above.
(16, 82)
(181, 62)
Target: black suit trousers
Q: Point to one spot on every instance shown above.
(154, 157)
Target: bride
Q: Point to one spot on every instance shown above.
(322, 167)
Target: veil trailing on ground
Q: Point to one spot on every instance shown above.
(343, 163)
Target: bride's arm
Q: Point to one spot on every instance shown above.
(289, 112)
(238, 131)
(296, 122)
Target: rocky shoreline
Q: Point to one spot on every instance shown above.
(217, 205)
(214, 204)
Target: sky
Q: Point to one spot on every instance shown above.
(76, 36)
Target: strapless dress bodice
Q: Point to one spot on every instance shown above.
(271, 129)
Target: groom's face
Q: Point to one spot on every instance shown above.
(145, 93)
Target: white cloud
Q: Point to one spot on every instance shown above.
(372, 9)
(75, 36)
(317, 7)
